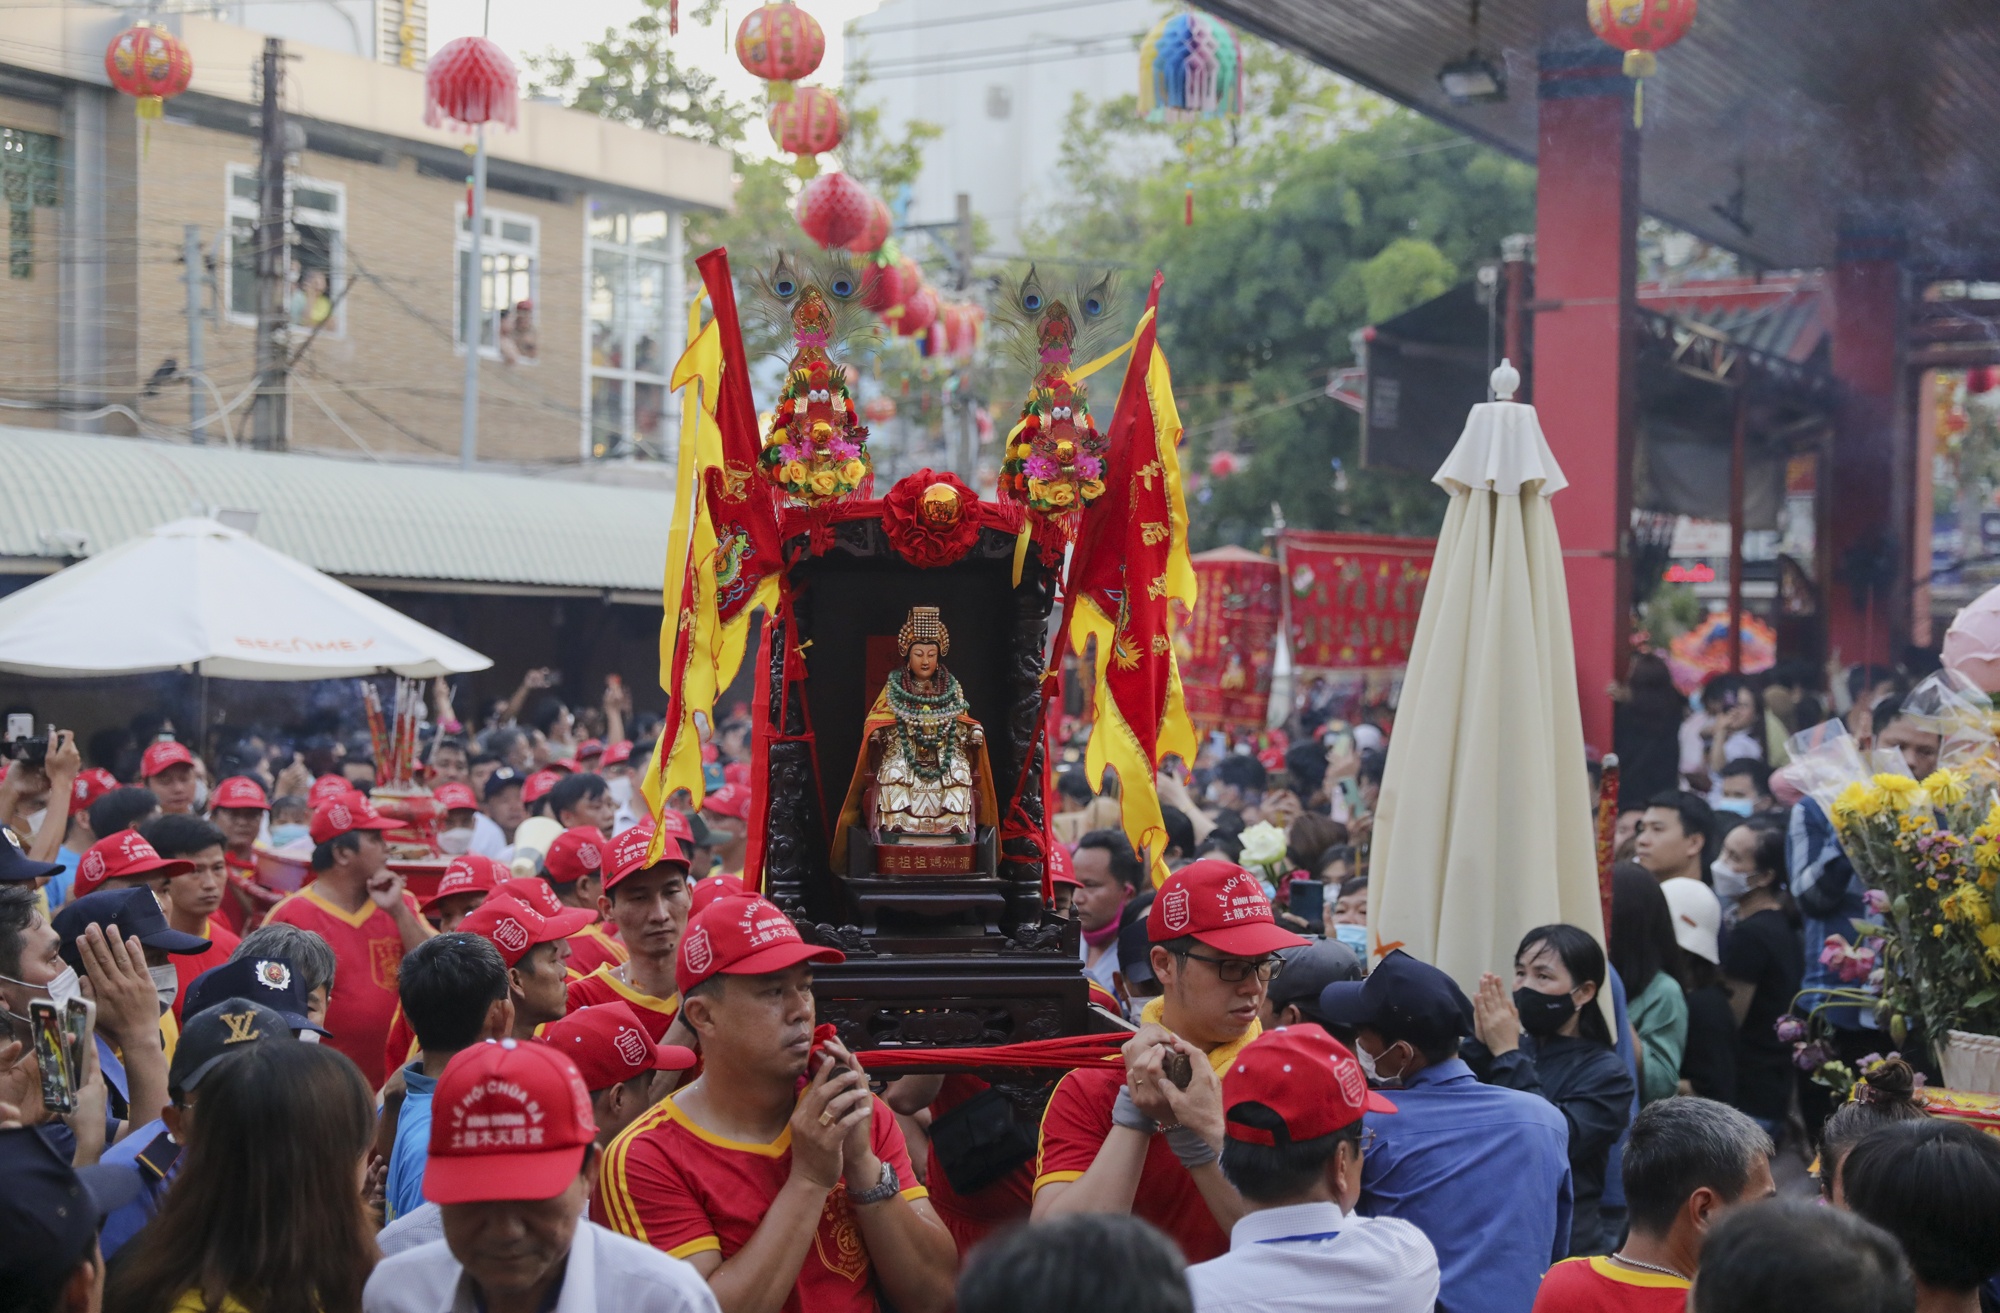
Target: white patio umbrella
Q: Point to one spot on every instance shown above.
(199, 596)
(1483, 830)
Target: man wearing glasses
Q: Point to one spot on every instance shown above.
(1145, 1140)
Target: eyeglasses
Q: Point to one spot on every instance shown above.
(1236, 970)
(1366, 1142)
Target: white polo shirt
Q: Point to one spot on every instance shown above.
(1314, 1257)
(607, 1273)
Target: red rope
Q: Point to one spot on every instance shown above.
(1065, 1053)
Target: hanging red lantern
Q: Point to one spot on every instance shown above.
(919, 312)
(883, 287)
(880, 222)
(1223, 464)
(810, 123)
(1981, 379)
(833, 209)
(880, 409)
(150, 63)
(780, 43)
(1640, 28)
(471, 81)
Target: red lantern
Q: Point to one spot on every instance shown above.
(880, 221)
(920, 311)
(148, 62)
(1981, 379)
(780, 43)
(1223, 464)
(1639, 28)
(962, 321)
(880, 410)
(883, 287)
(471, 81)
(833, 209)
(810, 123)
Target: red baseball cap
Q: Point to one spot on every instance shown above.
(534, 891)
(1280, 1077)
(575, 853)
(737, 772)
(160, 756)
(513, 927)
(118, 856)
(469, 873)
(745, 936)
(90, 785)
(344, 815)
(537, 786)
(1222, 905)
(609, 1046)
(239, 792)
(707, 890)
(631, 849)
(732, 800)
(589, 748)
(617, 754)
(509, 1120)
(456, 796)
(328, 787)
(1060, 869)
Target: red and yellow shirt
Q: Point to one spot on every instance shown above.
(1598, 1285)
(685, 1190)
(596, 946)
(221, 943)
(368, 953)
(600, 986)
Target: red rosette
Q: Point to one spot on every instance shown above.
(930, 518)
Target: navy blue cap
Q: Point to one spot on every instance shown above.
(1401, 994)
(15, 864)
(1309, 970)
(232, 1026)
(271, 981)
(506, 777)
(50, 1211)
(132, 911)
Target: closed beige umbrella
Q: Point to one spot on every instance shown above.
(1484, 827)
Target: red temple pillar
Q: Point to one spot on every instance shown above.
(1586, 224)
(1868, 482)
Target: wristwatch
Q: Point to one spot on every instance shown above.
(885, 1189)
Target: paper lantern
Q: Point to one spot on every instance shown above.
(1640, 28)
(880, 223)
(880, 409)
(780, 43)
(810, 123)
(833, 209)
(1223, 464)
(149, 63)
(1190, 68)
(471, 81)
(884, 287)
(961, 321)
(919, 312)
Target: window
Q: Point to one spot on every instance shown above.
(632, 345)
(28, 179)
(315, 250)
(507, 255)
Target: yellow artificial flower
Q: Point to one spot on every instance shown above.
(794, 472)
(852, 472)
(1937, 931)
(1061, 494)
(1903, 792)
(1946, 787)
(1931, 884)
(823, 482)
(1093, 489)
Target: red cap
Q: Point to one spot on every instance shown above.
(617, 754)
(575, 853)
(710, 754)
(1271, 759)
(746, 936)
(90, 785)
(159, 756)
(239, 792)
(609, 1046)
(344, 815)
(509, 1120)
(468, 874)
(1060, 869)
(1222, 905)
(513, 927)
(713, 887)
(534, 891)
(630, 848)
(732, 800)
(589, 748)
(537, 786)
(456, 796)
(737, 772)
(328, 787)
(117, 856)
(1285, 1070)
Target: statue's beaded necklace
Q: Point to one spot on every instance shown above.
(927, 723)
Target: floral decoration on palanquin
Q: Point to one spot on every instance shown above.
(931, 518)
(816, 451)
(1055, 455)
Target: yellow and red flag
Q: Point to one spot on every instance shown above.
(1129, 567)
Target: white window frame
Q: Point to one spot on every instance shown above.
(236, 207)
(628, 376)
(494, 244)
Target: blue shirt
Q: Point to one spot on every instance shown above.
(1484, 1173)
(124, 1223)
(59, 885)
(405, 1191)
(1813, 853)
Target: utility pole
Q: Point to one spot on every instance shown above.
(475, 326)
(194, 275)
(964, 251)
(269, 420)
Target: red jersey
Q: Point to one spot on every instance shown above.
(600, 986)
(684, 1190)
(187, 966)
(1598, 1285)
(402, 1045)
(596, 946)
(368, 950)
(971, 1218)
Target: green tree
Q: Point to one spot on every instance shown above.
(630, 74)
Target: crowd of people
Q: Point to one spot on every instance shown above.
(587, 1071)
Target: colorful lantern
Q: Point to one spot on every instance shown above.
(1190, 68)
(149, 63)
(961, 321)
(780, 43)
(880, 222)
(833, 209)
(880, 409)
(1639, 28)
(886, 286)
(471, 81)
(808, 124)
(919, 312)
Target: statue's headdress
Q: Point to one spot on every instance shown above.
(922, 625)
(817, 447)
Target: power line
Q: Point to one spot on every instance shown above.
(924, 24)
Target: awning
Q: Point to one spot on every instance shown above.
(374, 525)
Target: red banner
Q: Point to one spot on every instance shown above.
(1230, 641)
(1354, 598)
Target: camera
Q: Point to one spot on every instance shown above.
(22, 743)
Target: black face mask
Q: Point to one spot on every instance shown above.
(1543, 1014)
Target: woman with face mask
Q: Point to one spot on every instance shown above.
(1763, 960)
(1550, 1038)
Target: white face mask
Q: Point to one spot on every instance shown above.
(621, 789)
(64, 988)
(455, 843)
(35, 819)
(166, 984)
(1730, 883)
(1375, 1078)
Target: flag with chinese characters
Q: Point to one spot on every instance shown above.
(723, 549)
(1129, 567)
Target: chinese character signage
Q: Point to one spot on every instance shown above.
(1230, 640)
(1353, 598)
